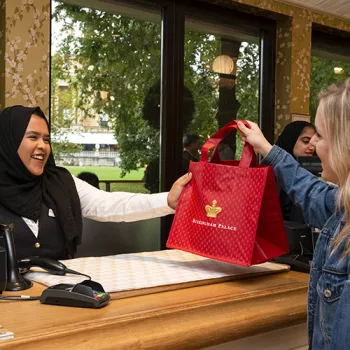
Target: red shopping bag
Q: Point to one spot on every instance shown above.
(230, 210)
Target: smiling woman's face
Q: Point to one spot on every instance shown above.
(320, 141)
(303, 147)
(34, 149)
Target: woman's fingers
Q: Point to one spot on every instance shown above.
(185, 179)
(176, 189)
(242, 128)
(254, 137)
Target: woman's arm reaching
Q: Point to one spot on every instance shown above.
(123, 206)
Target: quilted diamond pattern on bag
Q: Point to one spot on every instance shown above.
(220, 213)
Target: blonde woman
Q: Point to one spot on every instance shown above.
(326, 207)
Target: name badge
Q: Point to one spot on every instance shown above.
(51, 213)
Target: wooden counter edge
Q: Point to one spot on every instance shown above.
(185, 327)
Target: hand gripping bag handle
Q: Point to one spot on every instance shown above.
(248, 156)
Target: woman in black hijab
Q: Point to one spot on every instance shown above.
(45, 202)
(295, 139)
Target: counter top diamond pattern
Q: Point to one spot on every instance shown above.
(126, 272)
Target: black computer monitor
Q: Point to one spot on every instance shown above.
(300, 238)
(312, 164)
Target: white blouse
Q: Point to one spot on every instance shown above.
(114, 206)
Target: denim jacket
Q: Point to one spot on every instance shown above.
(329, 285)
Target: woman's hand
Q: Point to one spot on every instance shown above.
(176, 189)
(254, 137)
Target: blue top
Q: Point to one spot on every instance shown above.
(329, 285)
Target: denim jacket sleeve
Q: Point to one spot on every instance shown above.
(315, 197)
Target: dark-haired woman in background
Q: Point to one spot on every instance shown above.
(295, 139)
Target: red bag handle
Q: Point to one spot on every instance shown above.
(248, 155)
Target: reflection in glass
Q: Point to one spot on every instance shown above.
(330, 62)
(105, 74)
(222, 72)
(109, 57)
(324, 72)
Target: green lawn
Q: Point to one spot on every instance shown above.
(126, 187)
(113, 173)
(107, 173)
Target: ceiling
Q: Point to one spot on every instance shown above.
(338, 8)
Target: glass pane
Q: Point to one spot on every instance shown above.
(325, 72)
(222, 79)
(105, 113)
(330, 63)
(105, 91)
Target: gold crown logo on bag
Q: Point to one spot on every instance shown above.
(212, 210)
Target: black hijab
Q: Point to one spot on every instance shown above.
(287, 140)
(22, 192)
(290, 135)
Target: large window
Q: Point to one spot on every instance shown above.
(109, 58)
(221, 73)
(330, 61)
(134, 78)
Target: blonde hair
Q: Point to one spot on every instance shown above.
(335, 106)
